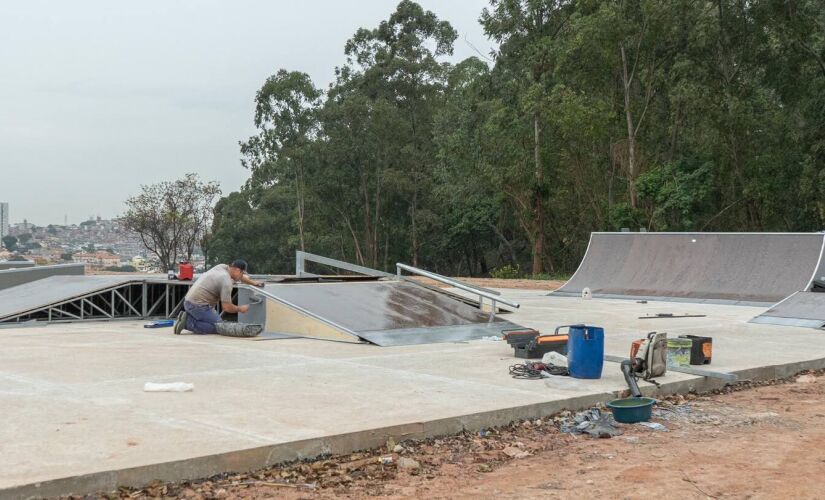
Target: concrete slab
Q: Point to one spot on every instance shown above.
(76, 419)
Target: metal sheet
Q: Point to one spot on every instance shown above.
(388, 305)
(41, 293)
(803, 309)
(20, 276)
(385, 313)
(752, 268)
(436, 335)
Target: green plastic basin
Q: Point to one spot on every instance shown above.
(632, 410)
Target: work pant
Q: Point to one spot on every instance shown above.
(200, 318)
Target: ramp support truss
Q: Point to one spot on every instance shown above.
(131, 300)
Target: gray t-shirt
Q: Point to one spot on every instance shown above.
(212, 287)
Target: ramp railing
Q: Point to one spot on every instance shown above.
(483, 293)
(301, 258)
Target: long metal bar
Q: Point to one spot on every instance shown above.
(729, 377)
(441, 278)
(65, 313)
(154, 306)
(457, 284)
(176, 309)
(302, 257)
(92, 304)
(130, 306)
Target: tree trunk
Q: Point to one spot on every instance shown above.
(414, 228)
(538, 207)
(299, 186)
(632, 168)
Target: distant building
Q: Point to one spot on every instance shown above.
(96, 260)
(4, 220)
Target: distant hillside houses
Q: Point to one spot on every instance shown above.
(97, 260)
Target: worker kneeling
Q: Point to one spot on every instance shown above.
(214, 286)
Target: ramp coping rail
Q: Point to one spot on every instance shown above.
(482, 293)
(302, 257)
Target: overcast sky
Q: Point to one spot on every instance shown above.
(98, 97)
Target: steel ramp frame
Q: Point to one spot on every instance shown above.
(133, 299)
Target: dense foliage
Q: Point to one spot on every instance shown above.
(591, 115)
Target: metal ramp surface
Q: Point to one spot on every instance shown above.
(804, 309)
(81, 298)
(385, 313)
(738, 268)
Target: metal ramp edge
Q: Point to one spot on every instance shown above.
(280, 316)
(802, 309)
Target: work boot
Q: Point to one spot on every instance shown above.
(230, 329)
(180, 322)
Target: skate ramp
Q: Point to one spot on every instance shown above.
(54, 290)
(803, 309)
(738, 268)
(10, 277)
(385, 313)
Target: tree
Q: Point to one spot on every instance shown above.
(171, 217)
(285, 109)
(528, 31)
(396, 65)
(591, 115)
(10, 242)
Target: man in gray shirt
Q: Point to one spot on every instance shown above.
(213, 287)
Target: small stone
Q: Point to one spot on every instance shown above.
(398, 449)
(805, 379)
(408, 463)
(589, 481)
(385, 460)
(513, 452)
(538, 422)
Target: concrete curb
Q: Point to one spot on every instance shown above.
(265, 456)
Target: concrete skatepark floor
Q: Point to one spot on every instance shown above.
(77, 419)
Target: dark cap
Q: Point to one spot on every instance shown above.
(239, 263)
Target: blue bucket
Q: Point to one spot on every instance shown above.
(585, 350)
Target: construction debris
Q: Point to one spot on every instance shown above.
(593, 422)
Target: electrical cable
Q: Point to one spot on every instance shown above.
(532, 371)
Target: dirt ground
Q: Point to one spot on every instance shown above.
(751, 441)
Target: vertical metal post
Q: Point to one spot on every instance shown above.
(166, 297)
(145, 294)
(492, 311)
(299, 263)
